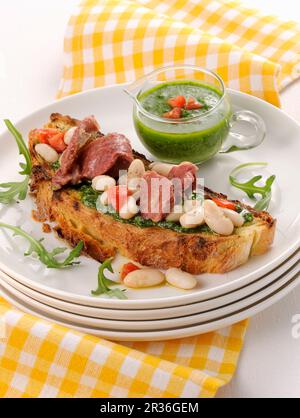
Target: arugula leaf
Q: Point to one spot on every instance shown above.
(250, 187)
(17, 189)
(104, 282)
(45, 256)
(23, 150)
(14, 190)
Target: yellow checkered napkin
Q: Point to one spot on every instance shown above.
(39, 358)
(113, 41)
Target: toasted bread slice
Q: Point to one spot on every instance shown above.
(158, 247)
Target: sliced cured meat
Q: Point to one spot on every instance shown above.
(183, 178)
(81, 136)
(69, 171)
(90, 154)
(185, 172)
(156, 196)
(108, 154)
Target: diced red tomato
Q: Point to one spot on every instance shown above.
(117, 196)
(57, 142)
(42, 135)
(127, 268)
(52, 137)
(224, 203)
(192, 104)
(173, 114)
(178, 101)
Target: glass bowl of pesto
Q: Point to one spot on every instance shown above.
(183, 113)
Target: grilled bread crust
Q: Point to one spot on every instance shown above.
(103, 236)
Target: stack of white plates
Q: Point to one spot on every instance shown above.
(64, 296)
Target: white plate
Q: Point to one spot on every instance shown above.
(165, 324)
(154, 314)
(161, 335)
(281, 148)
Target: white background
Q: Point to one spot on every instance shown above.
(31, 43)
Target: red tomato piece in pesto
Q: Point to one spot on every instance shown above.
(173, 114)
(117, 196)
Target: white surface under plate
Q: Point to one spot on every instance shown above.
(281, 147)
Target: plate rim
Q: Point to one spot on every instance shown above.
(116, 86)
(219, 302)
(168, 324)
(183, 332)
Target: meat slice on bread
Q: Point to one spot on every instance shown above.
(104, 235)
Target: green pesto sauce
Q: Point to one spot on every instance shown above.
(139, 221)
(55, 165)
(89, 198)
(195, 141)
(155, 100)
(88, 195)
(248, 217)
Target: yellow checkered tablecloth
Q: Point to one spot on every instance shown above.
(114, 41)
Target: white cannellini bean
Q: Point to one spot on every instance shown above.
(137, 195)
(123, 180)
(136, 169)
(176, 213)
(104, 199)
(47, 153)
(69, 134)
(235, 217)
(134, 184)
(193, 218)
(191, 204)
(180, 279)
(216, 219)
(129, 209)
(161, 168)
(144, 278)
(102, 183)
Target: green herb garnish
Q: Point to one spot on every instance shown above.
(248, 217)
(238, 208)
(46, 257)
(185, 113)
(141, 222)
(17, 189)
(26, 167)
(55, 165)
(178, 228)
(205, 106)
(104, 282)
(250, 187)
(14, 190)
(88, 195)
